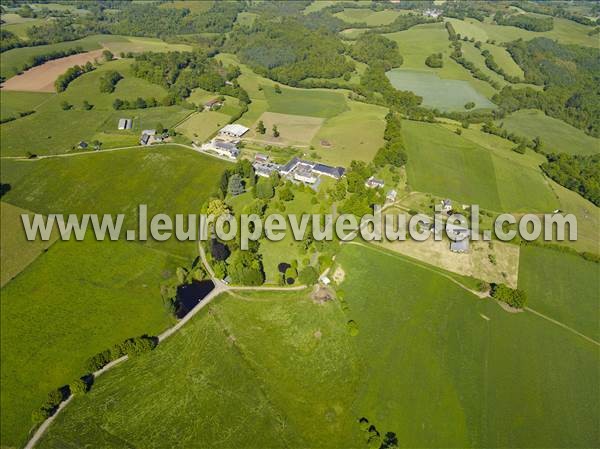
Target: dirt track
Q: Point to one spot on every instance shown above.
(42, 77)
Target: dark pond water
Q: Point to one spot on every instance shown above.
(188, 296)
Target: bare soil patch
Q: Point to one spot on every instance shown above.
(42, 77)
(322, 294)
(338, 275)
(293, 129)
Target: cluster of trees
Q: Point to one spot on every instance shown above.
(141, 103)
(357, 199)
(109, 80)
(57, 30)
(452, 35)
(53, 400)
(373, 439)
(370, 48)
(181, 72)
(576, 172)
(434, 60)
(392, 152)
(513, 297)
(10, 40)
(289, 52)
(569, 74)
(62, 82)
(376, 88)
(525, 21)
(130, 347)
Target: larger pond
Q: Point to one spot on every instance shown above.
(443, 94)
(190, 295)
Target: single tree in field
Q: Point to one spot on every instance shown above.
(65, 106)
(107, 55)
(275, 131)
(97, 144)
(260, 127)
(86, 105)
(235, 186)
(160, 128)
(277, 89)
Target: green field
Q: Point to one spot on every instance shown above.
(310, 102)
(504, 60)
(432, 356)
(368, 16)
(557, 136)
(201, 126)
(168, 179)
(443, 94)
(565, 31)
(11, 103)
(16, 252)
(18, 25)
(448, 165)
(355, 134)
(563, 286)
(75, 300)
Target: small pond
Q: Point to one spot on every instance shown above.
(190, 295)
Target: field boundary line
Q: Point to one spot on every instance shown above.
(564, 326)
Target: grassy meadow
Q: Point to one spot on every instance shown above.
(440, 93)
(443, 163)
(563, 286)
(11, 102)
(557, 136)
(73, 301)
(436, 357)
(16, 252)
(200, 126)
(368, 16)
(254, 398)
(310, 102)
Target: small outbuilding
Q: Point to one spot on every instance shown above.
(234, 130)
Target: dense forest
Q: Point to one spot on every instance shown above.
(289, 52)
(578, 173)
(569, 74)
(373, 48)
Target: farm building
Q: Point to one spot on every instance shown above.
(222, 147)
(332, 172)
(391, 196)
(213, 104)
(83, 145)
(373, 183)
(125, 123)
(147, 137)
(307, 171)
(446, 205)
(266, 169)
(234, 130)
(261, 158)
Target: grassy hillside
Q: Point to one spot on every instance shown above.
(563, 286)
(445, 164)
(310, 102)
(16, 252)
(243, 396)
(77, 299)
(368, 16)
(557, 136)
(167, 179)
(436, 357)
(11, 103)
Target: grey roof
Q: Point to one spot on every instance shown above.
(225, 145)
(290, 165)
(336, 172)
(145, 138)
(460, 245)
